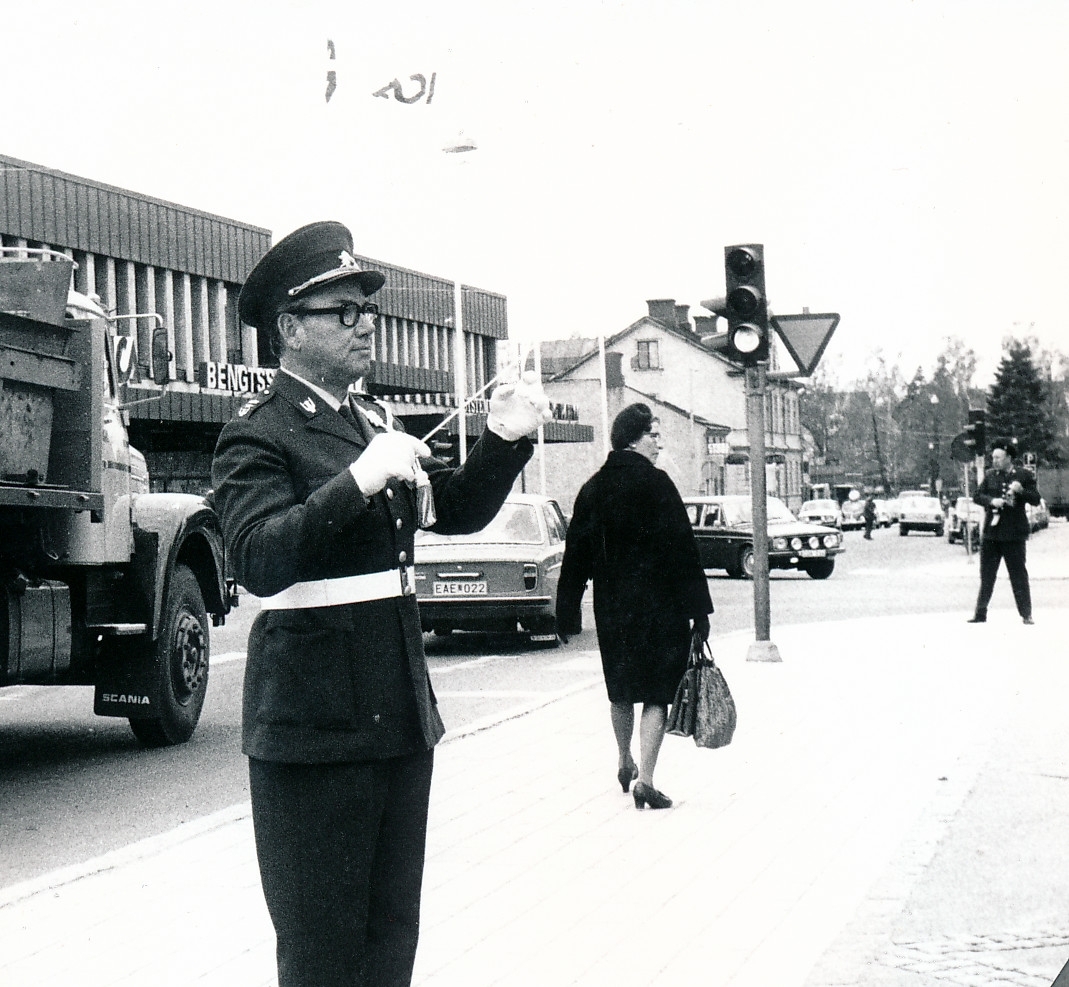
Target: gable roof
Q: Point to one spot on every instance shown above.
(572, 357)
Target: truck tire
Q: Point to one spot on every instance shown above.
(182, 659)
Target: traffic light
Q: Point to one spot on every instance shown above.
(744, 306)
(975, 437)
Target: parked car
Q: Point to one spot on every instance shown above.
(824, 512)
(963, 511)
(723, 527)
(497, 579)
(886, 513)
(1038, 515)
(853, 512)
(921, 514)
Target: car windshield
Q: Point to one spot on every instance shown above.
(820, 505)
(741, 511)
(513, 524)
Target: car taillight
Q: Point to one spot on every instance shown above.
(530, 575)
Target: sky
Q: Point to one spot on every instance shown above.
(905, 164)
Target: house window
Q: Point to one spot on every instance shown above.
(649, 355)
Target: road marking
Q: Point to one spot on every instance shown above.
(227, 656)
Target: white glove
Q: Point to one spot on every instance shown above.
(390, 455)
(518, 409)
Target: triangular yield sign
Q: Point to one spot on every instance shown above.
(806, 337)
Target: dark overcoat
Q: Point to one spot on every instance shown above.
(630, 534)
(348, 682)
(1012, 521)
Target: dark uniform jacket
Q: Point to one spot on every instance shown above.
(630, 534)
(346, 682)
(1012, 523)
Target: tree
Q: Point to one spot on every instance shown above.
(1018, 405)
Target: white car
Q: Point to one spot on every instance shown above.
(921, 514)
(824, 512)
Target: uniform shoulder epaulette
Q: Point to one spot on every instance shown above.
(256, 401)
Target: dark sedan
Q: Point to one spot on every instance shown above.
(723, 527)
(495, 579)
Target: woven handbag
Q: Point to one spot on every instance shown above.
(703, 707)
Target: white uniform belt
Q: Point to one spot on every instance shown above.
(344, 589)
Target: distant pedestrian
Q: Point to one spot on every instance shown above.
(870, 517)
(1003, 495)
(631, 535)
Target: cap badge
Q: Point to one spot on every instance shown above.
(346, 259)
(309, 405)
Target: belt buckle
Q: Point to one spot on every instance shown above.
(407, 589)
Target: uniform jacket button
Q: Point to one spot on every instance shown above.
(398, 524)
(377, 718)
(389, 493)
(402, 557)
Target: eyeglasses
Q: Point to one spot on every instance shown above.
(348, 314)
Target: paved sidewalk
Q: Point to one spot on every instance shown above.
(892, 812)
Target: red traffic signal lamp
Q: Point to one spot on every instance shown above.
(975, 431)
(744, 305)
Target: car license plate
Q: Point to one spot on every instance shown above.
(464, 588)
(812, 553)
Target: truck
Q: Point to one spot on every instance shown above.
(104, 583)
(1053, 484)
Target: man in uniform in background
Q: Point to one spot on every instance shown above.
(1002, 495)
(318, 502)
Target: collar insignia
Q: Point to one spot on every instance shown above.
(309, 405)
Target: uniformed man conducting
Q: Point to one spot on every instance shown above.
(319, 503)
(1003, 494)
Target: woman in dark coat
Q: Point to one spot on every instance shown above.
(630, 533)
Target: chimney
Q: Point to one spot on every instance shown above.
(683, 317)
(704, 325)
(614, 374)
(663, 310)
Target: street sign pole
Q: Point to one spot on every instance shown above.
(762, 648)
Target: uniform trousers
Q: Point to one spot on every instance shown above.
(341, 850)
(993, 552)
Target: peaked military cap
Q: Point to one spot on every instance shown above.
(306, 259)
(1006, 444)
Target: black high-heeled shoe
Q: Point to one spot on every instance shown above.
(648, 795)
(625, 776)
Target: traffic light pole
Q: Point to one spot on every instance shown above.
(762, 648)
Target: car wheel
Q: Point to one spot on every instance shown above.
(938, 532)
(820, 568)
(903, 530)
(746, 562)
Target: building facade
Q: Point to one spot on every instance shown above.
(170, 274)
(698, 395)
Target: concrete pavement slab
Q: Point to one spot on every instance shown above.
(890, 808)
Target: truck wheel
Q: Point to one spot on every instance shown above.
(746, 562)
(182, 660)
(820, 568)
